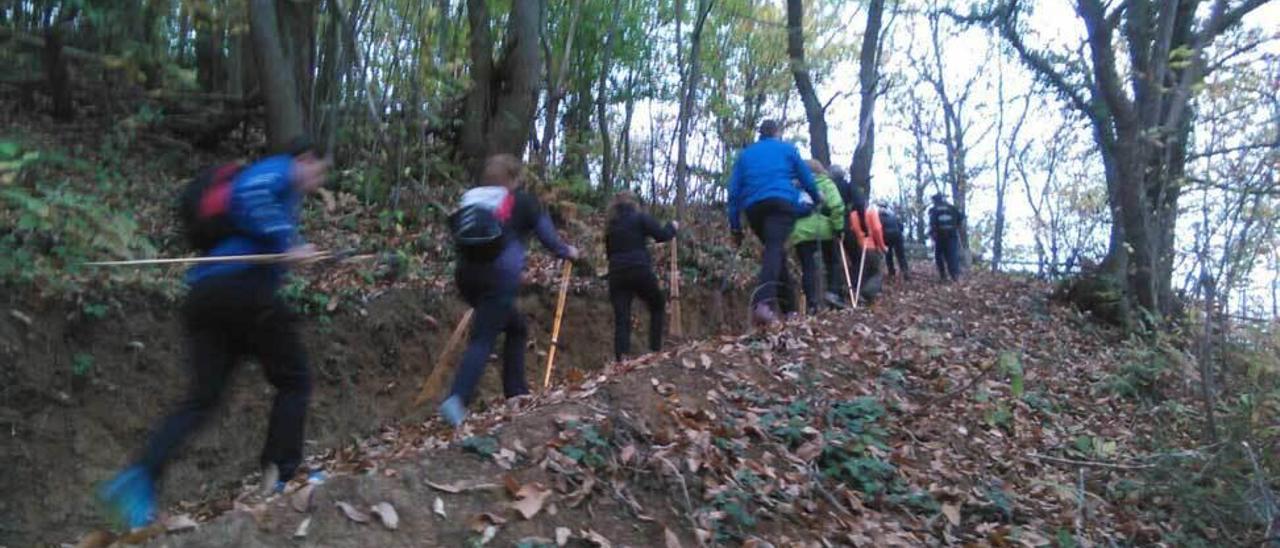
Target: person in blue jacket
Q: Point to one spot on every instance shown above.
(233, 311)
(762, 186)
(490, 284)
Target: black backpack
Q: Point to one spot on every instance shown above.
(890, 225)
(204, 206)
(479, 224)
(946, 218)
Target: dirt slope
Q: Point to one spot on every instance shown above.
(944, 414)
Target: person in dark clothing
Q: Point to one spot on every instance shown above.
(490, 285)
(233, 311)
(945, 221)
(894, 241)
(762, 186)
(854, 201)
(631, 270)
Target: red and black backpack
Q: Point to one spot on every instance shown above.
(204, 206)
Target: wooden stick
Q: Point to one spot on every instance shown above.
(862, 265)
(555, 328)
(677, 324)
(267, 258)
(844, 260)
(431, 386)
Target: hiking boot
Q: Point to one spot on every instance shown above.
(130, 498)
(834, 301)
(763, 315)
(453, 412)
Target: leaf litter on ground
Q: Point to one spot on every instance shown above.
(931, 417)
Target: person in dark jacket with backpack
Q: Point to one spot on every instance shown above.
(762, 186)
(631, 270)
(894, 241)
(488, 276)
(945, 221)
(233, 311)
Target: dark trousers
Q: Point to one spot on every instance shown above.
(897, 250)
(946, 254)
(227, 319)
(831, 261)
(624, 285)
(493, 296)
(772, 221)
(807, 254)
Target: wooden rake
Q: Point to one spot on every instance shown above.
(435, 380)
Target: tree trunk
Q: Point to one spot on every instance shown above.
(868, 82)
(55, 66)
(276, 76)
(602, 106)
(685, 118)
(819, 149)
(297, 20)
(209, 62)
(499, 107)
(555, 89)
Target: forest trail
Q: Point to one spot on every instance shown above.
(973, 412)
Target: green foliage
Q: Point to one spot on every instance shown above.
(585, 445)
(46, 233)
(485, 446)
(81, 364)
(1141, 377)
(95, 311)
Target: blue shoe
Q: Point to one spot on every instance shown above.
(453, 411)
(130, 498)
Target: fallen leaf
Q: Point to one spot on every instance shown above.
(598, 539)
(511, 484)
(672, 540)
(301, 531)
(98, 539)
(489, 532)
(438, 508)
(530, 499)
(810, 451)
(352, 513)
(562, 535)
(533, 541)
(628, 452)
(462, 486)
(390, 519)
(301, 499)
(952, 512)
(479, 522)
(178, 523)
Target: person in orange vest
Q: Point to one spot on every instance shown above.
(868, 233)
(868, 230)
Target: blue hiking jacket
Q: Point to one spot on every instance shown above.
(264, 209)
(765, 170)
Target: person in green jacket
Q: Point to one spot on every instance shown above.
(814, 233)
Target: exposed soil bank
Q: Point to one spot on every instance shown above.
(77, 395)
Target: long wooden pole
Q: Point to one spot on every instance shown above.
(677, 323)
(862, 265)
(555, 328)
(266, 258)
(848, 282)
(431, 386)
